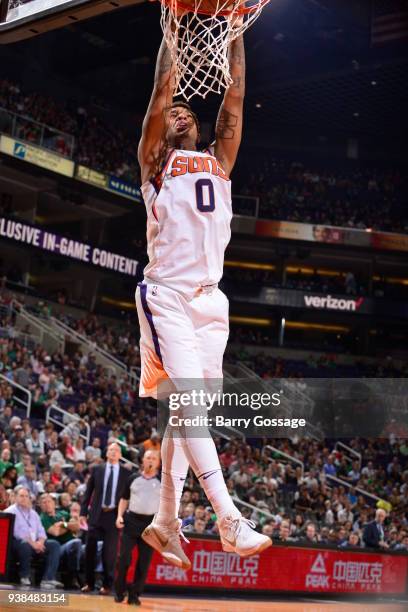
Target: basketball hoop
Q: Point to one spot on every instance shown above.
(198, 34)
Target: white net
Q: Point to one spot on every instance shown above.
(199, 43)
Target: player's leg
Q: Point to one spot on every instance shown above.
(182, 329)
(167, 338)
(167, 349)
(170, 329)
(211, 321)
(209, 314)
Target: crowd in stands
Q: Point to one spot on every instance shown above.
(326, 365)
(99, 146)
(337, 283)
(358, 198)
(45, 465)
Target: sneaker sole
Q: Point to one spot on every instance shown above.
(150, 537)
(227, 547)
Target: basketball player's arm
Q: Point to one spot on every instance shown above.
(153, 130)
(228, 130)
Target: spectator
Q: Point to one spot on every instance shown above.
(5, 460)
(29, 538)
(267, 529)
(354, 474)
(344, 513)
(5, 419)
(65, 502)
(35, 445)
(29, 481)
(79, 451)
(4, 500)
(77, 474)
(9, 478)
(75, 514)
(94, 452)
(373, 535)
(311, 536)
(353, 541)
(197, 527)
(403, 545)
(284, 532)
(329, 467)
(60, 527)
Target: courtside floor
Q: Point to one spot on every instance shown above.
(96, 603)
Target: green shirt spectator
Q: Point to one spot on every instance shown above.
(5, 461)
(58, 519)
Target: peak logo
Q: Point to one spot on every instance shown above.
(317, 577)
(317, 301)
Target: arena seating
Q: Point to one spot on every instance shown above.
(366, 197)
(264, 474)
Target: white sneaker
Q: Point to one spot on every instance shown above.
(166, 540)
(238, 535)
(47, 585)
(25, 582)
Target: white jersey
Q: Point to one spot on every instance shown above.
(189, 214)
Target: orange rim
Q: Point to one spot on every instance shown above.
(242, 10)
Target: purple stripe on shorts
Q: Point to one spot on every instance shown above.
(149, 317)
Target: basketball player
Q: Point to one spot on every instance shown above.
(183, 315)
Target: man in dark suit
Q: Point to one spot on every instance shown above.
(373, 535)
(100, 504)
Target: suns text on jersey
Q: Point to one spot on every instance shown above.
(182, 165)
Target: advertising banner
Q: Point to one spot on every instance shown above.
(324, 301)
(108, 183)
(331, 235)
(91, 176)
(124, 188)
(6, 532)
(35, 155)
(60, 245)
(389, 242)
(284, 569)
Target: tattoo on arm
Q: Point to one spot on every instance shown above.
(229, 122)
(237, 51)
(226, 124)
(164, 63)
(237, 64)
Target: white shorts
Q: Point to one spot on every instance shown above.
(180, 339)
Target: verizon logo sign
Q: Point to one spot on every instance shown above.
(317, 301)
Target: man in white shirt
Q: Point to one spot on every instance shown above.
(29, 538)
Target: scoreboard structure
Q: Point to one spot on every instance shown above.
(21, 19)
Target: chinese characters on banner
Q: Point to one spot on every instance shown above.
(284, 569)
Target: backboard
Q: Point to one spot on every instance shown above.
(20, 19)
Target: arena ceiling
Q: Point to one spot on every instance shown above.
(310, 67)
